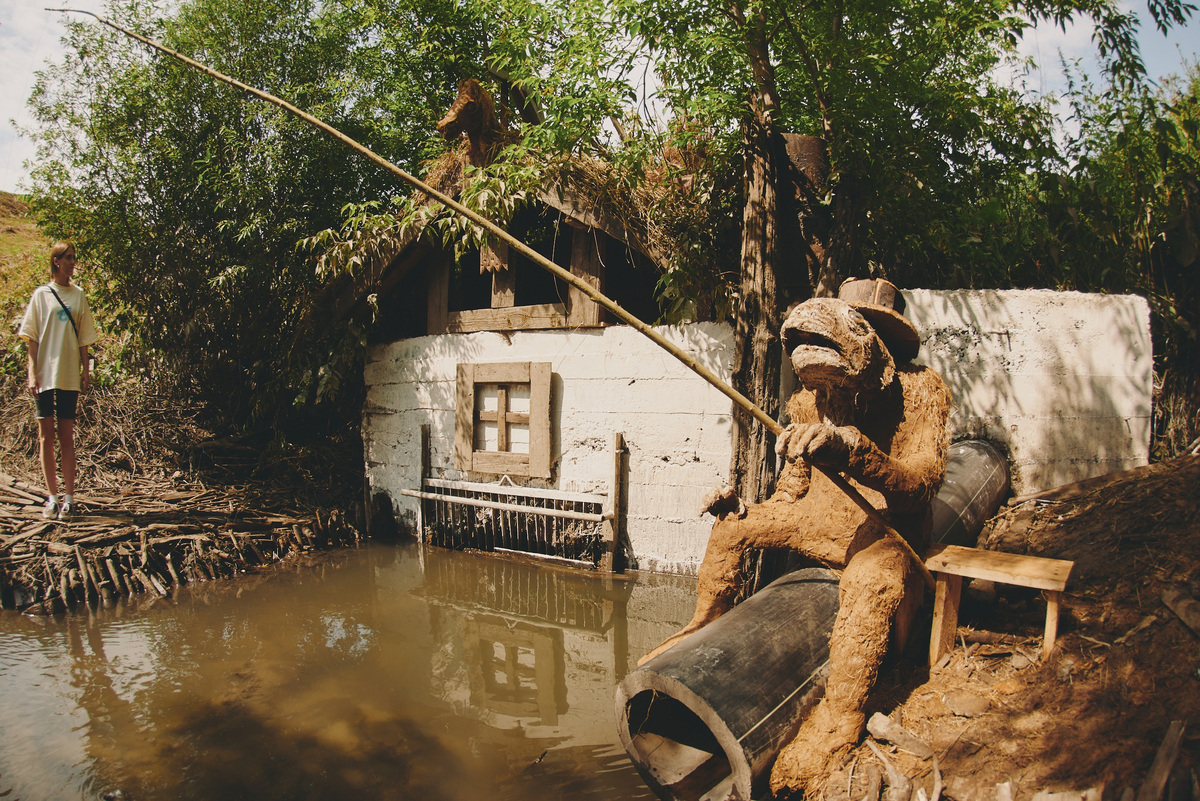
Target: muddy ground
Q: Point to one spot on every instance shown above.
(1002, 720)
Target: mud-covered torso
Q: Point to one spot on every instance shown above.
(910, 434)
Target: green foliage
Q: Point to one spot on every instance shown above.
(1126, 218)
(191, 197)
(923, 140)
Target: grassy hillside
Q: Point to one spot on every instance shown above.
(24, 262)
(19, 236)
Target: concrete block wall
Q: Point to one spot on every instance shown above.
(677, 429)
(1063, 380)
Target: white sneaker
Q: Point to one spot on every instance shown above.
(67, 510)
(50, 510)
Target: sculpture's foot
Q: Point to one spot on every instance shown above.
(675, 638)
(824, 739)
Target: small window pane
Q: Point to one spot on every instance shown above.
(518, 398)
(518, 438)
(487, 396)
(487, 437)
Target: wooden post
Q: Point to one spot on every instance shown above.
(945, 616)
(587, 253)
(493, 258)
(437, 308)
(612, 523)
(1052, 598)
(1168, 751)
(425, 429)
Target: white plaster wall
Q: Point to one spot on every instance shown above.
(677, 428)
(1062, 379)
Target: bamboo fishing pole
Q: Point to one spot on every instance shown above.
(495, 230)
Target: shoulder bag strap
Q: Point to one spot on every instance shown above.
(68, 311)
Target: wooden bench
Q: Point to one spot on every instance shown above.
(951, 563)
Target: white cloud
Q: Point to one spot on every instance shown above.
(29, 37)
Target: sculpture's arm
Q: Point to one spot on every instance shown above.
(909, 479)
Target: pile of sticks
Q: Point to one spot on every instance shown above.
(148, 536)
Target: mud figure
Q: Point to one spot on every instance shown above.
(474, 114)
(864, 410)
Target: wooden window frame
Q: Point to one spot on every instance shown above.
(536, 463)
(580, 311)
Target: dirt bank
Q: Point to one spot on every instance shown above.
(1093, 714)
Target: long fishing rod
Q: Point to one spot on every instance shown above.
(537, 258)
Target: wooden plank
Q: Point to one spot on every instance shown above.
(945, 616)
(504, 289)
(426, 453)
(19, 489)
(566, 514)
(612, 525)
(587, 262)
(539, 419)
(513, 490)
(515, 318)
(501, 372)
(1156, 780)
(464, 416)
(500, 463)
(493, 258)
(1025, 571)
(1180, 601)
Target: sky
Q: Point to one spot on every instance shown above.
(30, 36)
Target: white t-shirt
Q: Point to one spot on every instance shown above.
(47, 324)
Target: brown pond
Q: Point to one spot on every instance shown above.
(387, 672)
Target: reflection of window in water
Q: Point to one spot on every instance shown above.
(504, 629)
(520, 669)
(508, 674)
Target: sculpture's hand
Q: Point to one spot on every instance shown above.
(819, 443)
(721, 502)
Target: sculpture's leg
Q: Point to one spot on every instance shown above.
(872, 588)
(717, 583)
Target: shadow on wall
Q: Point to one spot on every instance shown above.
(1061, 380)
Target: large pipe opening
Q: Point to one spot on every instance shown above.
(703, 720)
(677, 747)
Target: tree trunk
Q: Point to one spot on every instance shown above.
(805, 219)
(844, 255)
(757, 348)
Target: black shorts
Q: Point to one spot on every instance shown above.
(58, 403)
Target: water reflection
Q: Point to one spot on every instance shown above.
(382, 673)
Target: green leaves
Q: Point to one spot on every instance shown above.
(193, 197)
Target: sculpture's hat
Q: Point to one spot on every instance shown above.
(883, 306)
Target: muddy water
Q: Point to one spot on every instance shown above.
(373, 674)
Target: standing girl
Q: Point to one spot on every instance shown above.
(58, 331)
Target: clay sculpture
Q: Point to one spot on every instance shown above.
(473, 114)
(864, 410)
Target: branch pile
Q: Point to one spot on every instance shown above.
(147, 536)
